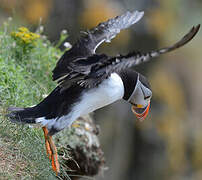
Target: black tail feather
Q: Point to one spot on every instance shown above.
(46, 108)
(21, 115)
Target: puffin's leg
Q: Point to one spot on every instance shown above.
(51, 151)
(54, 156)
(48, 150)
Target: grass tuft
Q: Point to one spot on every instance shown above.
(25, 77)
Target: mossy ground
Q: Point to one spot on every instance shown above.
(25, 77)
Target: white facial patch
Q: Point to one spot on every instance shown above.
(139, 94)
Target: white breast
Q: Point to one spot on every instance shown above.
(109, 91)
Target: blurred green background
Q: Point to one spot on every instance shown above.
(168, 144)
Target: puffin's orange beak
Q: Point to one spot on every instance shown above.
(140, 113)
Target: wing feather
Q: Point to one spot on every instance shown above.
(119, 63)
(87, 44)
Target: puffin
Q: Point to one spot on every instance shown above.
(88, 81)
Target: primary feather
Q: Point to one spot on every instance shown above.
(86, 45)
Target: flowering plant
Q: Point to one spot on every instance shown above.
(24, 38)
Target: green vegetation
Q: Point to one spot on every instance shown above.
(25, 78)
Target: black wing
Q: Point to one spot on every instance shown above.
(87, 44)
(116, 64)
(82, 69)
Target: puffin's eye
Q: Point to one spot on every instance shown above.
(134, 104)
(147, 97)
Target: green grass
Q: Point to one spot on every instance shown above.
(25, 77)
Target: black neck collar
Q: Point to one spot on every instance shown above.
(129, 78)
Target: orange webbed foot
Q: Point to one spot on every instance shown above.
(51, 151)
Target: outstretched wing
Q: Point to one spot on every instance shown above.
(116, 64)
(87, 44)
(136, 58)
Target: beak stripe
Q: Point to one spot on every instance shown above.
(143, 115)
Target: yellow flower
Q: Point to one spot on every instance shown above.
(24, 36)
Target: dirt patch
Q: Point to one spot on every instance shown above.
(11, 164)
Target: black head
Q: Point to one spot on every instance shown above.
(137, 91)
